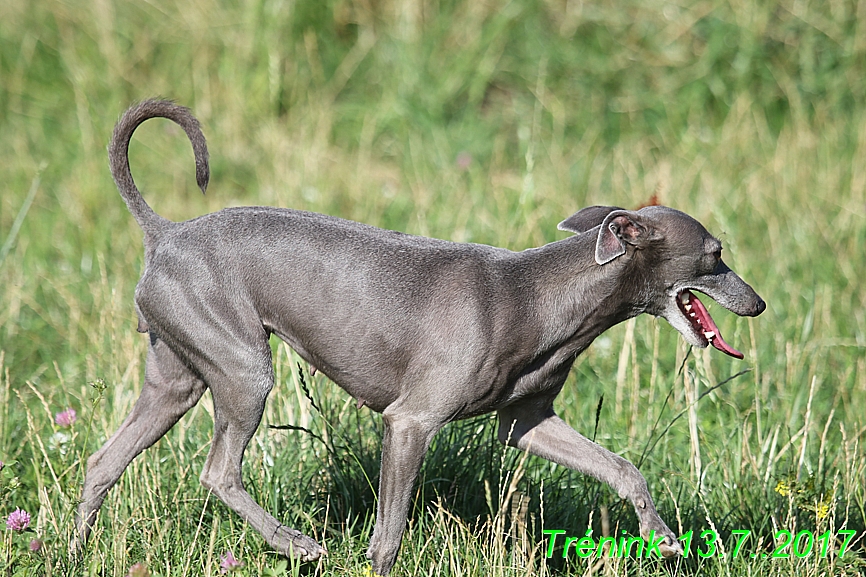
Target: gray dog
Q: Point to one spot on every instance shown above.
(423, 331)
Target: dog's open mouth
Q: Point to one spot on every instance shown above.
(703, 324)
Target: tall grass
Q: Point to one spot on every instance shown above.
(474, 121)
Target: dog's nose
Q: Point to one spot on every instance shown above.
(759, 306)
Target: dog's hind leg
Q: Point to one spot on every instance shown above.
(239, 389)
(170, 390)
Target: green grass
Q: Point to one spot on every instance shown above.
(751, 116)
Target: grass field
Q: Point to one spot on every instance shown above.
(472, 121)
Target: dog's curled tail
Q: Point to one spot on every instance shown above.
(118, 155)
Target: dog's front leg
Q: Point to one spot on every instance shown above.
(406, 440)
(539, 431)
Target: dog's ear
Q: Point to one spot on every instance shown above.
(620, 228)
(586, 219)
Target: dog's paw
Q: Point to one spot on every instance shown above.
(295, 544)
(671, 547)
(382, 559)
(660, 537)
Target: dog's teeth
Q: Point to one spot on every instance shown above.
(710, 335)
(688, 308)
(692, 315)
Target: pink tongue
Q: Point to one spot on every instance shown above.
(707, 324)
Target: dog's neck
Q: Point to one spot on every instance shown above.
(578, 298)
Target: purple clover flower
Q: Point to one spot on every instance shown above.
(66, 418)
(18, 520)
(228, 563)
(138, 570)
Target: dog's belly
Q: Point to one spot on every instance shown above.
(372, 383)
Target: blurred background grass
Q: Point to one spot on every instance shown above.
(472, 121)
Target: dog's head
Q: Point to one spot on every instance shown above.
(673, 255)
